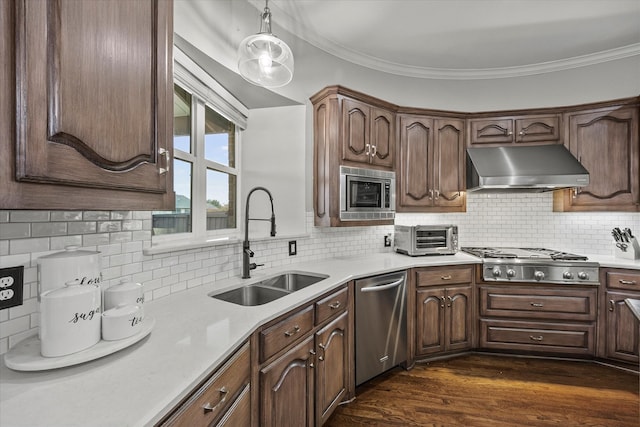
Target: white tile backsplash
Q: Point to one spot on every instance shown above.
(524, 220)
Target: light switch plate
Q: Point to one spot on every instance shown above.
(11, 285)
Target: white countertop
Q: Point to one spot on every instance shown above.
(193, 334)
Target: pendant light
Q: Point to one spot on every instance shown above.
(264, 59)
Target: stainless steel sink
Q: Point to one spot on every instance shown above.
(269, 289)
(292, 281)
(251, 295)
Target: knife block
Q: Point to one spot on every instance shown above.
(630, 250)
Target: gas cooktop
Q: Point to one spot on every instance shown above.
(535, 265)
(524, 253)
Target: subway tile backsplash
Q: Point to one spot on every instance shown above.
(121, 236)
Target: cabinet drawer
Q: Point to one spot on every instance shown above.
(443, 277)
(538, 336)
(332, 305)
(238, 415)
(287, 331)
(553, 304)
(627, 280)
(216, 394)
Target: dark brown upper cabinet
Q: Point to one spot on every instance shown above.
(516, 129)
(93, 105)
(605, 141)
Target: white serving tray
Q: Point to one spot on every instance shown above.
(25, 356)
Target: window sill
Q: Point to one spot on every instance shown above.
(181, 245)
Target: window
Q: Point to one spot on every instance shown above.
(204, 168)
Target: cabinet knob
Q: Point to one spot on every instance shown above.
(367, 150)
(612, 305)
(374, 151)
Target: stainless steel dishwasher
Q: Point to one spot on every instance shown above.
(381, 324)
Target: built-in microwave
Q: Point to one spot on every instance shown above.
(367, 194)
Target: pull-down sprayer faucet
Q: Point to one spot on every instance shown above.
(246, 250)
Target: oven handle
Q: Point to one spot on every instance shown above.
(376, 288)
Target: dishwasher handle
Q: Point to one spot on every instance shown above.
(376, 288)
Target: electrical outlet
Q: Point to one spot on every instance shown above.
(11, 284)
(293, 247)
(387, 240)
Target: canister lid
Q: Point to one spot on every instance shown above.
(70, 251)
(121, 310)
(124, 286)
(71, 288)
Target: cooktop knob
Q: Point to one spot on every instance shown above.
(496, 272)
(583, 276)
(538, 275)
(511, 272)
(567, 275)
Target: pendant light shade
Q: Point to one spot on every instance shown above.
(264, 59)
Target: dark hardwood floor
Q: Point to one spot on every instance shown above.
(487, 390)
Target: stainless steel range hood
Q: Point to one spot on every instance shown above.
(534, 168)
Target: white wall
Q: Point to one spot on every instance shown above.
(273, 156)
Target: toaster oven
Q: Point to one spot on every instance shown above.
(418, 240)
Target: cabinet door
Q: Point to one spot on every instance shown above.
(332, 349)
(356, 145)
(416, 160)
(458, 318)
(449, 156)
(606, 143)
(93, 109)
(383, 140)
(430, 326)
(622, 329)
(491, 131)
(538, 128)
(287, 388)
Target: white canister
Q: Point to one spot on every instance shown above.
(122, 322)
(125, 293)
(69, 319)
(71, 264)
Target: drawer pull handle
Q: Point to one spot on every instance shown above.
(450, 301)
(612, 305)
(296, 329)
(441, 302)
(335, 305)
(538, 338)
(537, 304)
(208, 408)
(627, 282)
(447, 277)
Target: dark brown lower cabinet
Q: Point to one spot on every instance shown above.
(622, 340)
(308, 371)
(332, 367)
(538, 319)
(287, 388)
(443, 320)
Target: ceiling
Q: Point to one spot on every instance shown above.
(464, 39)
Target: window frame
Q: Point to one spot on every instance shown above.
(205, 92)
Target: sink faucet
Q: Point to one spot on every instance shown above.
(246, 250)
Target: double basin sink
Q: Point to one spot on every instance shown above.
(270, 289)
